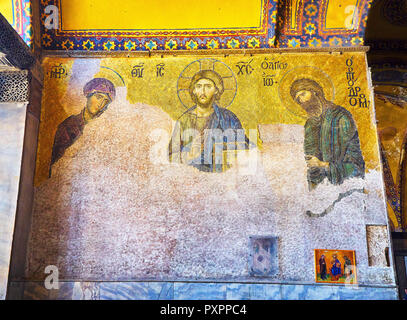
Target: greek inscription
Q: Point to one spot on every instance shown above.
(160, 70)
(58, 72)
(244, 68)
(273, 65)
(138, 71)
(268, 80)
(356, 98)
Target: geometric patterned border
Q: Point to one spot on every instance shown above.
(112, 40)
(306, 26)
(22, 16)
(285, 24)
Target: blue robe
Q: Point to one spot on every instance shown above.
(336, 270)
(223, 132)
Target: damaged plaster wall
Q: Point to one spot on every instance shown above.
(112, 211)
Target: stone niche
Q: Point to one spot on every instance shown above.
(263, 256)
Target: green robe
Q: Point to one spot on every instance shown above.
(333, 137)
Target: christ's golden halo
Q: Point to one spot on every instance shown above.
(228, 77)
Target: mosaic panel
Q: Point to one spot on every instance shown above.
(116, 158)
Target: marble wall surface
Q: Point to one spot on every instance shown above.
(196, 291)
(12, 125)
(113, 208)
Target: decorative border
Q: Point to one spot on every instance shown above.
(168, 40)
(142, 33)
(22, 19)
(288, 14)
(311, 28)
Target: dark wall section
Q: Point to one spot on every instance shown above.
(26, 189)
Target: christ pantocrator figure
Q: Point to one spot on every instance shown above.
(204, 131)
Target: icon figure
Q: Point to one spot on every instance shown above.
(322, 267)
(205, 130)
(331, 142)
(100, 93)
(336, 270)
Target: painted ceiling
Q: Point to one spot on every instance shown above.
(100, 25)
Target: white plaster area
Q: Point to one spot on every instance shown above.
(12, 124)
(111, 213)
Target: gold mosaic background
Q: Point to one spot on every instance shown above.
(254, 103)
